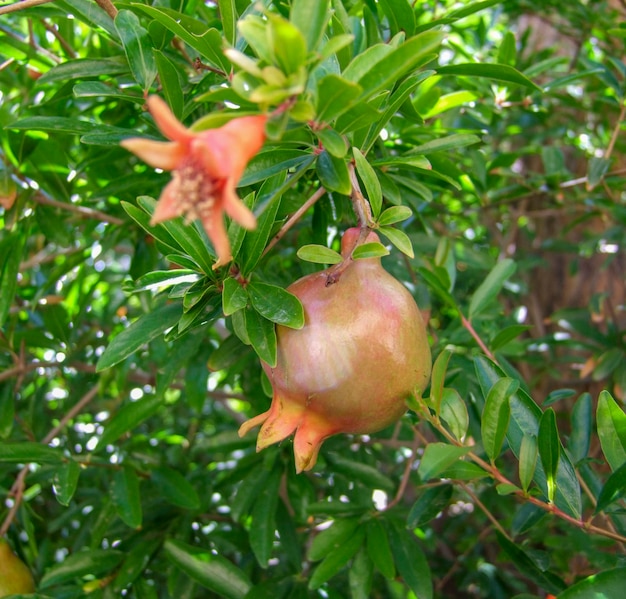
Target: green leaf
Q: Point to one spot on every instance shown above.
(394, 214)
(581, 428)
(85, 68)
(506, 335)
(128, 417)
(464, 471)
(262, 336)
(525, 415)
(411, 562)
(545, 580)
(333, 142)
(429, 505)
(491, 286)
(613, 489)
(174, 488)
(319, 254)
(126, 497)
(527, 460)
(208, 569)
(333, 173)
(272, 162)
(170, 79)
(65, 481)
(454, 413)
(142, 331)
(263, 518)
(228, 17)
(378, 548)
(337, 559)
(498, 72)
(445, 144)
(287, 44)
(311, 18)
(12, 249)
(373, 249)
(93, 562)
(507, 52)
(7, 410)
(276, 304)
(438, 379)
(373, 190)
(399, 239)
(25, 452)
(400, 15)
(611, 422)
(364, 473)
(495, 417)
(597, 168)
(335, 95)
(549, 449)
(138, 48)
(234, 296)
(331, 538)
(437, 457)
(607, 584)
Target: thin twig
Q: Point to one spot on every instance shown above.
(484, 509)
(294, 218)
(407, 474)
(21, 5)
(82, 211)
(468, 325)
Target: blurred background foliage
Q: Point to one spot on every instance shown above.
(122, 384)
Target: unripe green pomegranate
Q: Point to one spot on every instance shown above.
(15, 577)
(362, 351)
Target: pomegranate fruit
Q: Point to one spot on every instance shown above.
(15, 577)
(362, 351)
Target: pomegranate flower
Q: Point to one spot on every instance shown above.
(206, 167)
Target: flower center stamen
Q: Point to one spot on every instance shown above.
(195, 191)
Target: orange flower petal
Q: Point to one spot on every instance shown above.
(168, 205)
(169, 125)
(236, 209)
(158, 154)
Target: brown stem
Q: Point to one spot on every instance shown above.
(21, 5)
(484, 509)
(406, 475)
(359, 202)
(108, 7)
(82, 211)
(294, 218)
(468, 325)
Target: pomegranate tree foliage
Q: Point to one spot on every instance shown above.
(486, 137)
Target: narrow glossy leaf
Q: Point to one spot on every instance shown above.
(272, 162)
(276, 304)
(394, 214)
(208, 569)
(7, 410)
(464, 471)
(85, 67)
(437, 457)
(607, 584)
(491, 286)
(92, 562)
(443, 103)
(170, 79)
(608, 362)
(262, 335)
(126, 497)
(378, 548)
(438, 379)
(525, 415)
(138, 47)
(331, 538)
(370, 476)
(526, 516)
(495, 417)
(287, 44)
(549, 449)
(128, 417)
(400, 15)
(333, 142)
(506, 335)
(333, 173)
(263, 515)
(65, 481)
(545, 580)
(135, 563)
(228, 18)
(499, 72)
(613, 489)
(370, 250)
(140, 332)
(373, 190)
(174, 488)
(445, 144)
(360, 576)
(434, 282)
(12, 249)
(411, 562)
(429, 505)
(399, 239)
(527, 460)
(234, 296)
(28, 451)
(581, 427)
(335, 95)
(598, 167)
(337, 559)
(611, 422)
(311, 18)
(454, 413)
(319, 254)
